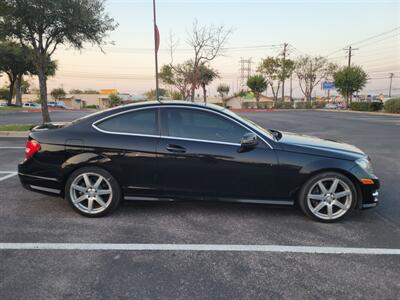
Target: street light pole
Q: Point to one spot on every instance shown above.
(156, 45)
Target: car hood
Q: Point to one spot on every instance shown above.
(307, 143)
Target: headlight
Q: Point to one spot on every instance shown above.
(365, 164)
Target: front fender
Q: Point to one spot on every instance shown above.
(327, 164)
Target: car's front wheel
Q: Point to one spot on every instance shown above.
(92, 192)
(328, 197)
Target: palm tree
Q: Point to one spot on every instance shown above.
(223, 90)
(206, 76)
(257, 85)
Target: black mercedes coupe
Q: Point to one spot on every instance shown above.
(187, 151)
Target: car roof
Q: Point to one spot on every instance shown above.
(126, 107)
(174, 102)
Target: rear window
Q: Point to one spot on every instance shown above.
(135, 122)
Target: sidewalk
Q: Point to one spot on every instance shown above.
(377, 113)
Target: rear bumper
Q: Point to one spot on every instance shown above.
(38, 182)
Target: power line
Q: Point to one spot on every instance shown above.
(366, 39)
(375, 36)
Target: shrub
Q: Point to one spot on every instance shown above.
(303, 105)
(266, 104)
(283, 105)
(320, 104)
(392, 106)
(91, 106)
(366, 106)
(248, 105)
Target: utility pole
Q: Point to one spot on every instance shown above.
(390, 85)
(283, 70)
(156, 46)
(349, 50)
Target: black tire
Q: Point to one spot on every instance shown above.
(349, 204)
(111, 200)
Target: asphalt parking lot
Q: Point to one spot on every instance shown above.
(27, 217)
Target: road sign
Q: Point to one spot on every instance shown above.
(328, 86)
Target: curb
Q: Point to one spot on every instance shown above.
(23, 134)
(376, 113)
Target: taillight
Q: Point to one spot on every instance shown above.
(31, 148)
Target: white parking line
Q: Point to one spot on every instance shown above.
(12, 147)
(10, 174)
(198, 247)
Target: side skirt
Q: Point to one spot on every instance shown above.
(232, 200)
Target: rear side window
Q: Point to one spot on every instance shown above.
(202, 125)
(136, 122)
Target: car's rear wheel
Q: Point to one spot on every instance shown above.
(92, 192)
(328, 197)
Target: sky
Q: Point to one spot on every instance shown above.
(260, 27)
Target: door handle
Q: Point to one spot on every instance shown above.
(176, 148)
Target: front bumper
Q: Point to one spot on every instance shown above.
(370, 194)
(373, 203)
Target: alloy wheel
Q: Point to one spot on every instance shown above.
(91, 193)
(329, 198)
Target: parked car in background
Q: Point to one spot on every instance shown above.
(58, 104)
(31, 105)
(331, 106)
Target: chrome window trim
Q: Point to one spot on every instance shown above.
(124, 133)
(198, 140)
(180, 138)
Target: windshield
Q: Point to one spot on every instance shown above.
(250, 123)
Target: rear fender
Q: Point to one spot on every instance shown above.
(88, 159)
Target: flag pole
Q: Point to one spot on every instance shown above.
(156, 45)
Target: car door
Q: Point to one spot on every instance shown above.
(199, 156)
(130, 140)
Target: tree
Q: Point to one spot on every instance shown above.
(310, 71)
(275, 70)
(349, 80)
(15, 61)
(76, 91)
(58, 94)
(257, 85)
(114, 100)
(151, 95)
(178, 76)
(24, 87)
(47, 24)
(175, 95)
(4, 93)
(207, 75)
(207, 44)
(223, 91)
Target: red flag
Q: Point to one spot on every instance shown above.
(157, 37)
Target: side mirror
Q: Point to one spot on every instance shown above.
(249, 140)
